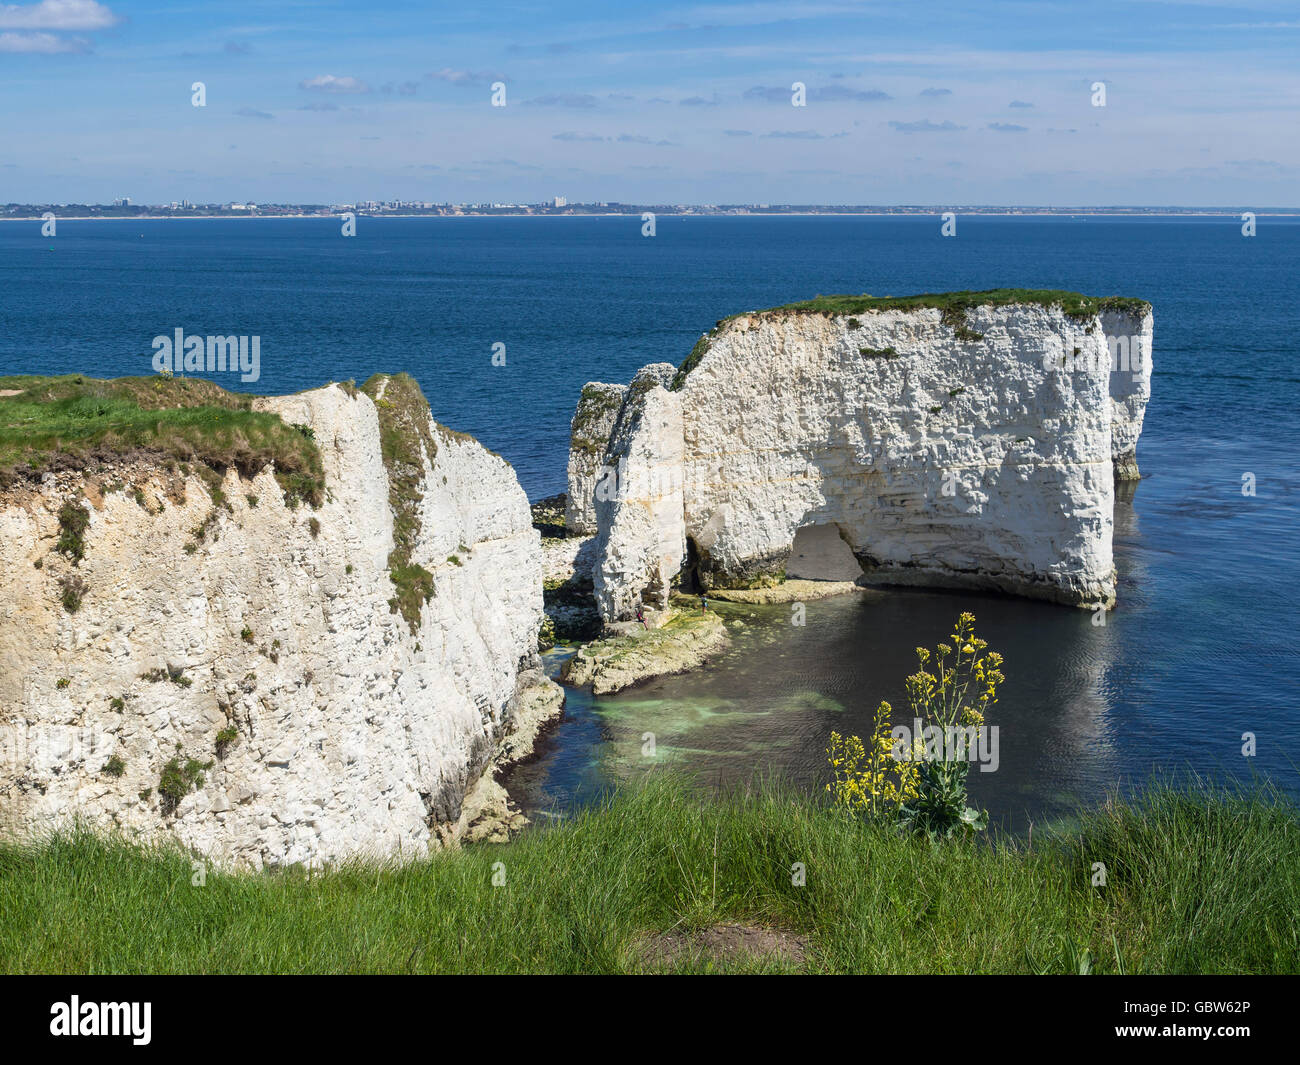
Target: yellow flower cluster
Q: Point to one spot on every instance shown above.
(955, 685)
(957, 691)
(869, 777)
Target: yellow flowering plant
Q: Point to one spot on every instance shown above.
(868, 778)
(952, 691)
(958, 682)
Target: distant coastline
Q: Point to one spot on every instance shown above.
(30, 213)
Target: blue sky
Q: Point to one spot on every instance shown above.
(982, 101)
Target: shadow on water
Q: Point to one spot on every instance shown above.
(769, 703)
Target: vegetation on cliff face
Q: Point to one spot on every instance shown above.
(73, 522)
(54, 423)
(692, 360)
(1198, 880)
(952, 306)
(597, 402)
(406, 440)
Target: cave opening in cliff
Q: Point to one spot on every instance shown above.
(688, 581)
(821, 552)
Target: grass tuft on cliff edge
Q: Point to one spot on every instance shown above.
(406, 440)
(951, 305)
(54, 423)
(1073, 304)
(1199, 880)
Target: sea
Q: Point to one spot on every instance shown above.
(502, 320)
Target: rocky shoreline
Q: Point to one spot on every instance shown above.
(489, 814)
(964, 440)
(302, 629)
(613, 656)
(680, 641)
(793, 590)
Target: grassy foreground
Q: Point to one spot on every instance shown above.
(1198, 880)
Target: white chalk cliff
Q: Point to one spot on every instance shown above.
(593, 421)
(268, 654)
(641, 540)
(967, 448)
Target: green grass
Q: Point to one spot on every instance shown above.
(954, 304)
(951, 305)
(73, 421)
(1200, 880)
(595, 406)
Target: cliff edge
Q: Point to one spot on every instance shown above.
(281, 630)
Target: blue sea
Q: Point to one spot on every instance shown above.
(1203, 648)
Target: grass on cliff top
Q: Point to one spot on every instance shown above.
(1073, 304)
(596, 403)
(1198, 881)
(406, 438)
(69, 422)
(951, 305)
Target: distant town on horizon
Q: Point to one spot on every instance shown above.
(123, 208)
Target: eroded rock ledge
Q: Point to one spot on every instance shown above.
(269, 682)
(678, 640)
(966, 440)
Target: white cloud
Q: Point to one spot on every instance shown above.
(41, 43)
(464, 77)
(57, 15)
(334, 83)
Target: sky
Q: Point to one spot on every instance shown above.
(974, 102)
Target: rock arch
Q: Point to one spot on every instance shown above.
(821, 551)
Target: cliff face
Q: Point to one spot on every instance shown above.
(1128, 340)
(593, 421)
(981, 454)
(639, 502)
(236, 675)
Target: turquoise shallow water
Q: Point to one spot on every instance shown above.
(1202, 648)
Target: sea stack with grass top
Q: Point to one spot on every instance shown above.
(963, 440)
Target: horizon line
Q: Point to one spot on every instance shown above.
(388, 206)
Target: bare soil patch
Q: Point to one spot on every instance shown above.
(727, 943)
